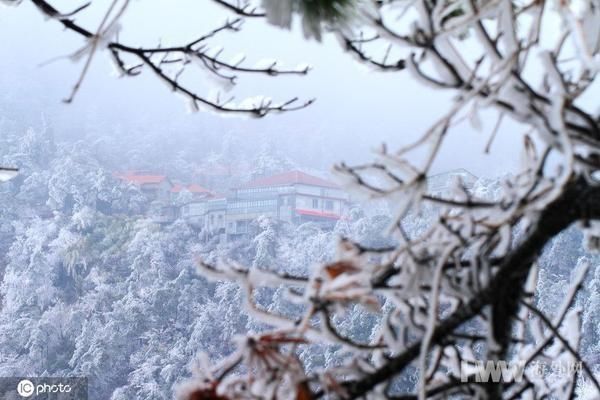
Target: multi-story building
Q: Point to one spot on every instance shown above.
(196, 191)
(294, 197)
(207, 213)
(216, 209)
(164, 195)
(154, 186)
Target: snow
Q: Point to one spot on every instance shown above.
(92, 285)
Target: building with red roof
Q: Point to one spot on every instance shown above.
(155, 186)
(294, 196)
(195, 191)
(193, 188)
(290, 178)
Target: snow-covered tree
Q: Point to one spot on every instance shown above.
(461, 287)
(268, 161)
(470, 266)
(266, 244)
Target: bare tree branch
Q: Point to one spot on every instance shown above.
(194, 49)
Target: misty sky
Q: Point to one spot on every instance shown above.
(356, 109)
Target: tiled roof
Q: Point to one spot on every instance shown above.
(289, 178)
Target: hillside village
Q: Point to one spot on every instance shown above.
(293, 197)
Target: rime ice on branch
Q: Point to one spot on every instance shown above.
(170, 64)
(462, 289)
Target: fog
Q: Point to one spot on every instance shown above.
(149, 250)
(356, 109)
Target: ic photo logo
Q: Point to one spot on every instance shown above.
(25, 388)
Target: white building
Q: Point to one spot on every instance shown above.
(155, 186)
(207, 213)
(294, 197)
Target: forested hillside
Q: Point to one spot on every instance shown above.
(91, 286)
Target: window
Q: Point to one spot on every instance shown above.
(241, 226)
(328, 205)
(315, 203)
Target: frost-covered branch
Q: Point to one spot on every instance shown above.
(453, 291)
(564, 342)
(170, 63)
